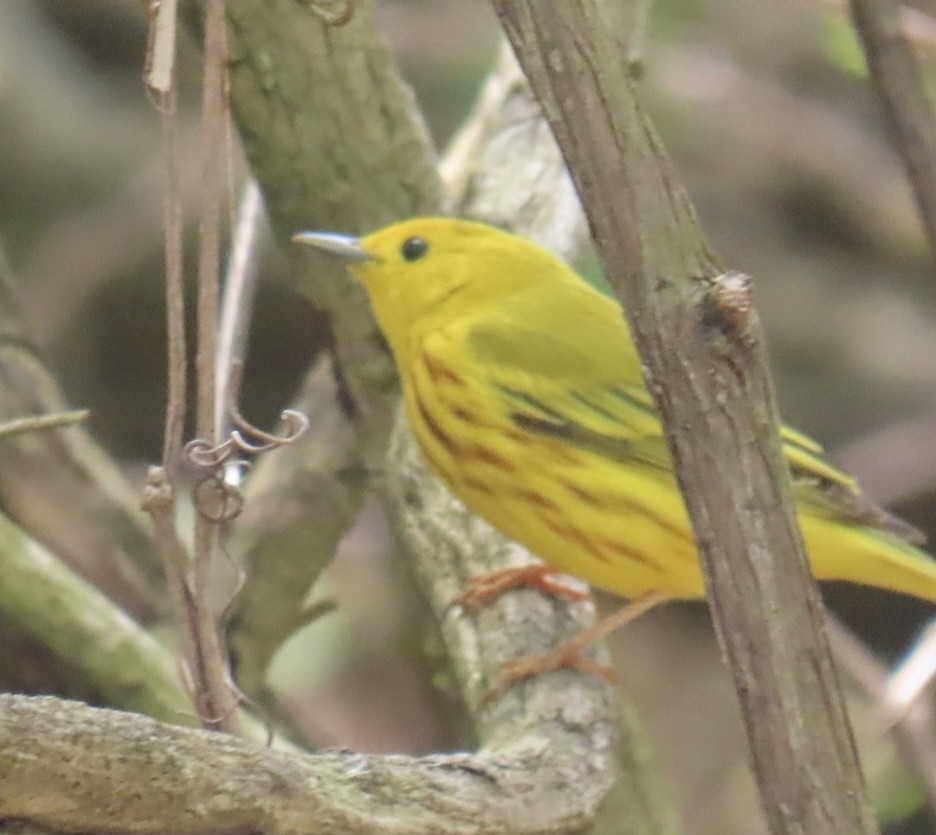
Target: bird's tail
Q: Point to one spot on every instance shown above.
(869, 557)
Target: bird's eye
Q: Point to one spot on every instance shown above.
(414, 248)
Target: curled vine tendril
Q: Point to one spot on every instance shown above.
(216, 499)
(246, 439)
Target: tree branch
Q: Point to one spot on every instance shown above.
(301, 91)
(104, 757)
(44, 600)
(298, 503)
(701, 343)
(60, 486)
(900, 86)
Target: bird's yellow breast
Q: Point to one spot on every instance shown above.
(576, 510)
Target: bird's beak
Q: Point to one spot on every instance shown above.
(344, 246)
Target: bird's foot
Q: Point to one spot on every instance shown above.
(571, 653)
(484, 588)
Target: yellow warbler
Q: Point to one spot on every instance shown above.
(524, 391)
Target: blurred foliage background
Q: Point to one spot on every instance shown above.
(786, 154)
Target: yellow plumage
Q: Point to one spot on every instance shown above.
(524, 391)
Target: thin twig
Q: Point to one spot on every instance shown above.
(910, 679)
(189, 578)
(899, 83)
(216, 699)
(36, 423)
(159, 501)
(159, 66)
(913, 726)
(214, 112)
(202, 649)
(176, 370)
(240, 284)
(159, 496)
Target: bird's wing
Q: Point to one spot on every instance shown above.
(565, 366)
(572, 373)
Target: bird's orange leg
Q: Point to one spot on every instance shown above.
(571, 653)
(485, 587)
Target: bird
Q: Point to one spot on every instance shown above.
(525, 393)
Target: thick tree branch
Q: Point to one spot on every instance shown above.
(335, 141)
(230, 786)
(702, 347)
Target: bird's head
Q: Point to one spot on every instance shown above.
(425, 272)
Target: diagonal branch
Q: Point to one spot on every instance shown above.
(43, 600)
(700, 341)
(899, 83)
(59, 485)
